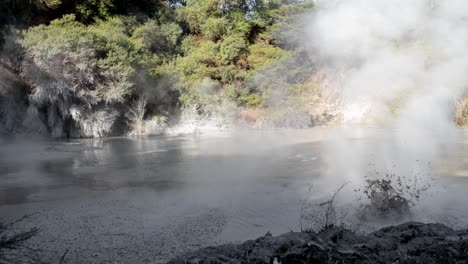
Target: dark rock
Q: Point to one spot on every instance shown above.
(406, 243)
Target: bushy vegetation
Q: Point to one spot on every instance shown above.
(461, 117)
(88, 63)
(84, 64)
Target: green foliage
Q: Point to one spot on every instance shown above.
(251, 100)
(89, 10)
(214, 28)
(66, 34)
(196, 13)
(232, 48)
(50, 3)
(159, 38)
(232, 93)
(203, 94)
(261, 55)
(95, 8)
(230, 43)
(188, 43)
(118, 57)
(240, 25)
(202, 53)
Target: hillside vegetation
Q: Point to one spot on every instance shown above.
(94, 68)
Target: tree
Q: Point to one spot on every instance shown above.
(102, 55)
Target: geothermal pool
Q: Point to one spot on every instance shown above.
(144, 200)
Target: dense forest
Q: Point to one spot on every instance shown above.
(95, 68)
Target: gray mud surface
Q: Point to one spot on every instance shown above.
(121, 200)
(100, 234)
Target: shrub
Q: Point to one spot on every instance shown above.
(251, 100)
(155, 126)
(97, 123)
(231, 48)
(159, 38)
(323, 215)
(135, 116)
(63, 63)
(93, 67)
(214, 28)
(231, 92)
(461, 116)
(261, 55)
(95, 8)
(93, 61)
(188, 44)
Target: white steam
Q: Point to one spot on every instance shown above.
(406, 65)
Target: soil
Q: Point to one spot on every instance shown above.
(410, 242)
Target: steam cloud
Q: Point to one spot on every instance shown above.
(405, 66)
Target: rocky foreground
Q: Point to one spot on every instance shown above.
(406, 243)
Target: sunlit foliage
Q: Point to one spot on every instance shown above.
(87, 61)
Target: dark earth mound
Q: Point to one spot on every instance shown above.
(406, 243)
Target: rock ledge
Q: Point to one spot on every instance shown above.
(410, 242)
